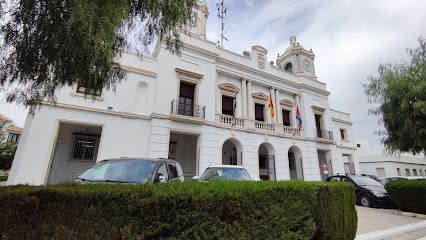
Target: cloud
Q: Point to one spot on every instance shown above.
(349, 38)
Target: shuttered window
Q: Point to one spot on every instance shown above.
(227, 105)
(258, 109)
(286, 118)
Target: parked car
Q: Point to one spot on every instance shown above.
(386, 180)
(371, 176)
(133, 171)
(224, 172)
(368, 192)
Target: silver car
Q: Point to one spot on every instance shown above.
(225, 172)
(133, 171)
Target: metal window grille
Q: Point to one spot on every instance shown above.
(85, 147)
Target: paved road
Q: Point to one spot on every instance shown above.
(371, 220)
(3, 183)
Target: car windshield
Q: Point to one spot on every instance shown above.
(365, 181)
(129, 171)
(226, 174)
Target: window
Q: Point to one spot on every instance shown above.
(407, 172)
(398, 171)
(289, 68)
(286, 118)
(162, 171)
(82, 89)
(13, 138)
(358, 145)
(335, 179)
(258, 109)
(172, 170)
(421, 172)
(85, 147)
(380, 172)
(318, 125)
(414, 172)
(227, 105)
(186, 99)
(342, 134)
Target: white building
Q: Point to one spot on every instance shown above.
(181, 108)
(376, 160)
(10, 132)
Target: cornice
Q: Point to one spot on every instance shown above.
(334, 110)
(201, 50)
(341, 121)
(306, 86)
(140, 55)
(347, 147)
(139, 71)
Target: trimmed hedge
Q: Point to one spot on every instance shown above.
(189, 210)
(3, 178)
(408, 195)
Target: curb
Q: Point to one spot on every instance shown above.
(391, 231)
(410, 214)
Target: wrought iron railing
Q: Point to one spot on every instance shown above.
(192, 110)
(264, 126)
(230, 121)
(324, 134)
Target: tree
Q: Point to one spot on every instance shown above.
(400, 91)
(50, 44)
(7, 150)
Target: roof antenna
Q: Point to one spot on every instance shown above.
(221, 13)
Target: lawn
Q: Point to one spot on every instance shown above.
(3, 178)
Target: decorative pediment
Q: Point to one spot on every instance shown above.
(186, 73)
(286, 103)
(318, 110)
(260, 96)
(229, 88)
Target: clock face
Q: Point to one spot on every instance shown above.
(306, 65)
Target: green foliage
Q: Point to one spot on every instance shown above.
(408, 195)
(51, 44)
(3, 178)
(7, 150)
(189, 210)
(7, 153)
(400, 90)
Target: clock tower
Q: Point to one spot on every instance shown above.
(297, 60)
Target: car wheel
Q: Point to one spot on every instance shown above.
(365, 201)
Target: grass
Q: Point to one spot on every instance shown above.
(3, 178)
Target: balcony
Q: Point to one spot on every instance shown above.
(292, 131)
(324, 134)
(263, 126)
(188, 112)
(230, 121)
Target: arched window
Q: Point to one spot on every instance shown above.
(289, 68)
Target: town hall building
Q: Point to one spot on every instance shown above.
(182, 108)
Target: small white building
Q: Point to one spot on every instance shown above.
(182, 108)
(376, 160)
(11, 133)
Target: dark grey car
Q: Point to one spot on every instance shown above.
(133, 171)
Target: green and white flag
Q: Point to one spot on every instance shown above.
(235, 106)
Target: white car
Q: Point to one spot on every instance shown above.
(225, 172)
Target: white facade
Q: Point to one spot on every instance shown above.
(145, 117)
(382, 163)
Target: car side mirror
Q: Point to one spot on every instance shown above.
(162, 179)
(195, 178)
(256, 179)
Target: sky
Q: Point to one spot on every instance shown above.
(350, 38)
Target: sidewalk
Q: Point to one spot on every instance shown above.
(384, 224)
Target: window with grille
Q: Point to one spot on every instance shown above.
(414, 172)
(407, 172)
(82, 89)
(398, 171)
(342, 134)
(85, 147)
(13, 138)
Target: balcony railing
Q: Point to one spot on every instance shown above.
(264, 126)
(192, 110)
(291, 131)
(230, 121)
(324, 134)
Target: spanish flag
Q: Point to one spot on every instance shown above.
(271, 105)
